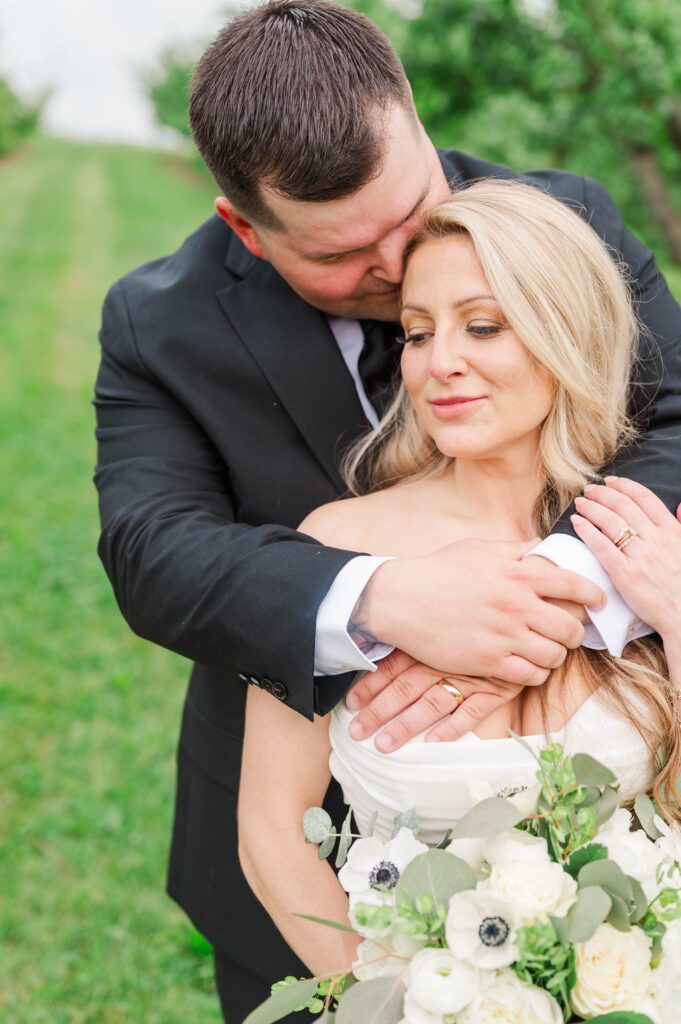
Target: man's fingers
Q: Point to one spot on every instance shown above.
(521, 672)
(538, 650)
(569, 586)
(466, 717)
(559, 623)
(366, 688)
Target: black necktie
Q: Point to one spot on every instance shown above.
(378, 361)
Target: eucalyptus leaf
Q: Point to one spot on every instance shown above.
(609, 875)
(585, 855)
(606, 806)
(446, 840)
(345, 841)
(487, 818)
(645, 812)
(640, 901)
(437, 873)
(621, 1017)
(284, 1001)
(325, 920)
(524, 743)
(326, 848)
(316, 825)
(407, 819)
(591, 909)
(379, 1001)
(590, 772)
(619, 914)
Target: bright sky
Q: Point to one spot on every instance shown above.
(91, 52)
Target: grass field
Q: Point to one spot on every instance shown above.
(89, 713)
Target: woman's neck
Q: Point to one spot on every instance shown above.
(499, 491)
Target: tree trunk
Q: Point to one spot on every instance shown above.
(659, 199)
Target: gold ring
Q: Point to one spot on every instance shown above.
(624, 537)
(450, 688)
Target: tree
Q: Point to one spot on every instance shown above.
(17, 119)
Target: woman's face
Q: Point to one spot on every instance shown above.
(475, 388)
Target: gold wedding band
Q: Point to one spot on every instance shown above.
(624, 537)
(450, 688)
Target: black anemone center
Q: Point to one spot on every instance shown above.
(493, 931)
(384, 875)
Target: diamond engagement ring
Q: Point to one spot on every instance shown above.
(624, 537)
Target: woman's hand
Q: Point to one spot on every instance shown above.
(647, 571)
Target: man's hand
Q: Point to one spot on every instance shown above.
(501, 625)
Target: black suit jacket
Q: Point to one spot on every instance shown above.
(222, 404)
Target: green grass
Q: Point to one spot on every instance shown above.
(89, 713)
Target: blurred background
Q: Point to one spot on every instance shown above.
(97, 175)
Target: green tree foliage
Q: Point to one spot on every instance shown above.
(17, 119)
(593, 86)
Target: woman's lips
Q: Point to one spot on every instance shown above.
(453, 408)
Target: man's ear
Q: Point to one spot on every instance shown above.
(242, 228)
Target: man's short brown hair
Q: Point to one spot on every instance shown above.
(290, 95)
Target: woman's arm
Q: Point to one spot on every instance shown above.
(285, 770)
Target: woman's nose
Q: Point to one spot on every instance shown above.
(447, 358)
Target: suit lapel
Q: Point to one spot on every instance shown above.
(295, 349)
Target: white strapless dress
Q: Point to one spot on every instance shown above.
(441, 781)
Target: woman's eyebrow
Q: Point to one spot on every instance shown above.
(488, 299)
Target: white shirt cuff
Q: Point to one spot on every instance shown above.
(335, 651)
(614, 626)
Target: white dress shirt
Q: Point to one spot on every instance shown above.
(336, 652)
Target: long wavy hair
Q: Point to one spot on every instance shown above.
(567, 297)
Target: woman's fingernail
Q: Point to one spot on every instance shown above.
(385, 741)
(579, 500)
(352, 700)
(356, 730)
(610, 479)
(576, 520)
(589, 488)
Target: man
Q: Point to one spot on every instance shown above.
(235, 372)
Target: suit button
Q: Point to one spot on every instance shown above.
(255, 681)
(279, 691)
(267, 684)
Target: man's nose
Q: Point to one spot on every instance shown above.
(388, 265)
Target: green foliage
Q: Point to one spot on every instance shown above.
(379, 1001)
(546, 962)
(489, 817)
(18, 120)
(168, 89)
(437, 874)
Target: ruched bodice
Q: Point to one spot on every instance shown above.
(442, 780)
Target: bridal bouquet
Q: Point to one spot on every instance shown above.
(541, 906)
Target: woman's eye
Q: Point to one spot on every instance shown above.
(415, 337)
(484, 330)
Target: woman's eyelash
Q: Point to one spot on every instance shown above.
(417, 336)
(484, 329)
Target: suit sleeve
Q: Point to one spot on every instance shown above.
(185, 574)
(655, 397)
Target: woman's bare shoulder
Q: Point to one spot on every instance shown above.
(350, 523)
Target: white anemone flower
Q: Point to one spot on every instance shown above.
(372, 864)
(481, 928)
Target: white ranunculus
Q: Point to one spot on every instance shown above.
(374, 959)
(415, 1014)
(515, 846)
(613, 971)
(469, 850)
(440, 984)
(665, 988)
(633, 852)
(538, 889)
(508, 1000)
(481, 927)
(372, 863)
(669, 843)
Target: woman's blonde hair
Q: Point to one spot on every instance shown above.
(567, 298)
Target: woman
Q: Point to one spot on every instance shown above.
(519, 338)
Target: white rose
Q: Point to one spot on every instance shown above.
(633, 852)
(371, 863)
(665, 989)
(415, 1014)
(515, 845)
(437, 982)
(374, 959)
(480, 928)
(508, 1000)
(538, 889)
(613, 971)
